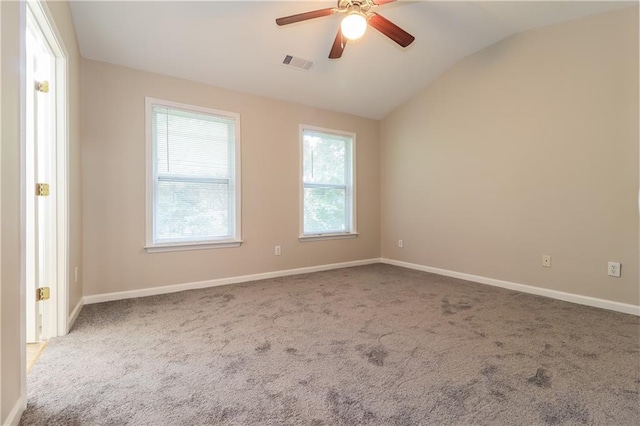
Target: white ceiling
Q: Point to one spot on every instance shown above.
(237, 44)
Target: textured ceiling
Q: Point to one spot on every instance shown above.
(237, 44)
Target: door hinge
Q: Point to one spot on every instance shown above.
(42, 293)
(42, 189)
(42, 86)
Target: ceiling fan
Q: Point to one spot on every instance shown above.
(354, 24)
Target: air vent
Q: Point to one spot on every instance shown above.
(297, 62)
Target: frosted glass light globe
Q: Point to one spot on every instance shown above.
(354, 25)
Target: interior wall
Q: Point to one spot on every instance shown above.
(526, 148)
(61, 14)
(10, 309)
(10, 204)
(113, 167)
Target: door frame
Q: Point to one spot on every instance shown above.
(1, 204)
(59, 318)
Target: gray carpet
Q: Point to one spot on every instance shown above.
(375, 345)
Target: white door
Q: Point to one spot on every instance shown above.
(40, 173)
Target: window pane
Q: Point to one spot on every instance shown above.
(325, 210)
(193, 144)
(192, 211)
(324, 159)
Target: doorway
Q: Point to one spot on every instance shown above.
(44, 166)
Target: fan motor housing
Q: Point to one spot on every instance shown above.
(361, 5)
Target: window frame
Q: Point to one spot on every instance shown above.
(352, 233)
(153, 247)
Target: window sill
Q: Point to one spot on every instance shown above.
(161, 248)
(321, 237)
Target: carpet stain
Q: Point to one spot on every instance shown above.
(540, 379)
(446, 307)
(499, 344)
(263, 347)
(234, 367)
(291, 350)
(376, 355)
(449, 309)
(489, 370)
(226, 298)
(347, 410)
(407, 416)
(588, 355)
(457, 396)
(499, 395)
(549, 351)
(562, 412)
(227, 414)
(518, 355)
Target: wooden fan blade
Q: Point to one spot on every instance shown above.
(390, 29)
(381, 2)
(338, 46)
(305, 16)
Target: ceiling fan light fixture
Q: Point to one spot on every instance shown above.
(354, 25)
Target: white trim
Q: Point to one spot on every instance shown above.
(23, 209)
(151, 245)
(554, 294)
(74, 315)
(1, 213)
(321, 237)
(57, 323)
(13, 418)
(108, 297)
(351, 186)
(148, 189)
(161, 248)
(62, 178)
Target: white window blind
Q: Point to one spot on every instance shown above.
(327, 181)
(194, 185)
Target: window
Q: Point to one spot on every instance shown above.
(328, 192)
(193, 177)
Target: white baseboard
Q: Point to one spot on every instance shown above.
(75, 313)
(120, 295)
(554, 294)
(16, 412)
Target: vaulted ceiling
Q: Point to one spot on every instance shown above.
(237, 44)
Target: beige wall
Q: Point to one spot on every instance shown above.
(10, 157)
(528, 147)
(113, 154)
(61, 14)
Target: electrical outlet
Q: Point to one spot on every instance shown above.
(278, 251)
(76, 274)
(400, 243)
(546, 261)
(613, 269)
